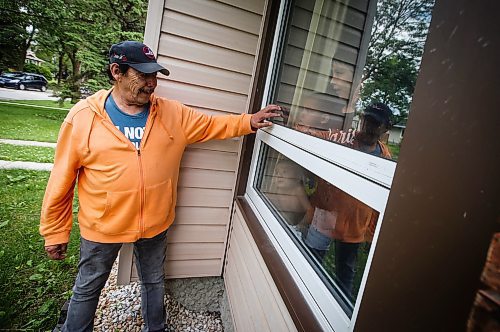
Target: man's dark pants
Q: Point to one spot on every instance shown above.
(96, 261)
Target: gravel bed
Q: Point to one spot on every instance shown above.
(119, 309)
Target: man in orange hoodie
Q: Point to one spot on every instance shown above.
(123, 147)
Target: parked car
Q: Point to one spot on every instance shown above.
(27, 81)
(7, 76)
(85, 92)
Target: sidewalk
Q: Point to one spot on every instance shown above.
(27, 143)
(28, 165)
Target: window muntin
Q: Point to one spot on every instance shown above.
(333, 229)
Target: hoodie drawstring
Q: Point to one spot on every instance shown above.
(155, 104)
(168, 132)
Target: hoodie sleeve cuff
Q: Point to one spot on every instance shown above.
(58, 238)
(249, 128)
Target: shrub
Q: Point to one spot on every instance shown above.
(45, 71)
(30, 68)
(42, 70)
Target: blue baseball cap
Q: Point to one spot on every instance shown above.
(137, 55)
(380, 112)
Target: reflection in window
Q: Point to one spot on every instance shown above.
(333, 229)
(320, 82)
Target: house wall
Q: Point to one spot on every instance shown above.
(254, 299)
(395, 135)
(210, 49)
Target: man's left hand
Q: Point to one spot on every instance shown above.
(260, 119)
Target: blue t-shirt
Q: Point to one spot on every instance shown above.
(132, 126)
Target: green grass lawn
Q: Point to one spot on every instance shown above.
(394, 148)
(329, 265)
(26, 153)
(30, 123)
(33, 287)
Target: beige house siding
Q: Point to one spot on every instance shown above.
(210, 49)
(255, 301)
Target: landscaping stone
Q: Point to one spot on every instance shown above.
(119, 309)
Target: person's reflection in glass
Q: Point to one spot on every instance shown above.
(323, 117)
(290, 195)
(336, 216)
(319, 113)
(375, 122)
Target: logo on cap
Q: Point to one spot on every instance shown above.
(148, 52)
(120, 57)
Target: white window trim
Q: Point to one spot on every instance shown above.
(364, 189)
(377, 169)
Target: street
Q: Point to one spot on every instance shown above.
(26, 94)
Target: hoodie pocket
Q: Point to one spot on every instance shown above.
(158, 204)
(121, 213)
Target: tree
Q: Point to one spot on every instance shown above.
(13, 35)
(392, 83)
(21, 21)
(394, 52)
(84, 32)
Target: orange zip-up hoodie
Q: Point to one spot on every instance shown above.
(125, 194)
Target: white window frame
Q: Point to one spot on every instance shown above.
(363, 176)
(318, 296)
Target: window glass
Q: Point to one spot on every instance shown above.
(346, 75)
(333, 229)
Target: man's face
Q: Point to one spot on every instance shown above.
(136, 87)
(371, 130)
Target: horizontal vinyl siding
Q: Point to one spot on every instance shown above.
(205, 178)
(185, 251)
(209, 47)
(206, 76)
(193, 267)
(255, 301)
(200, 96)
(199, 215)
(254, 6)
(207, 32)
(209, 159)
(201, 53)
(197, 233)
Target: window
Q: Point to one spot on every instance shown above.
(332, 228)
(320, 177)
